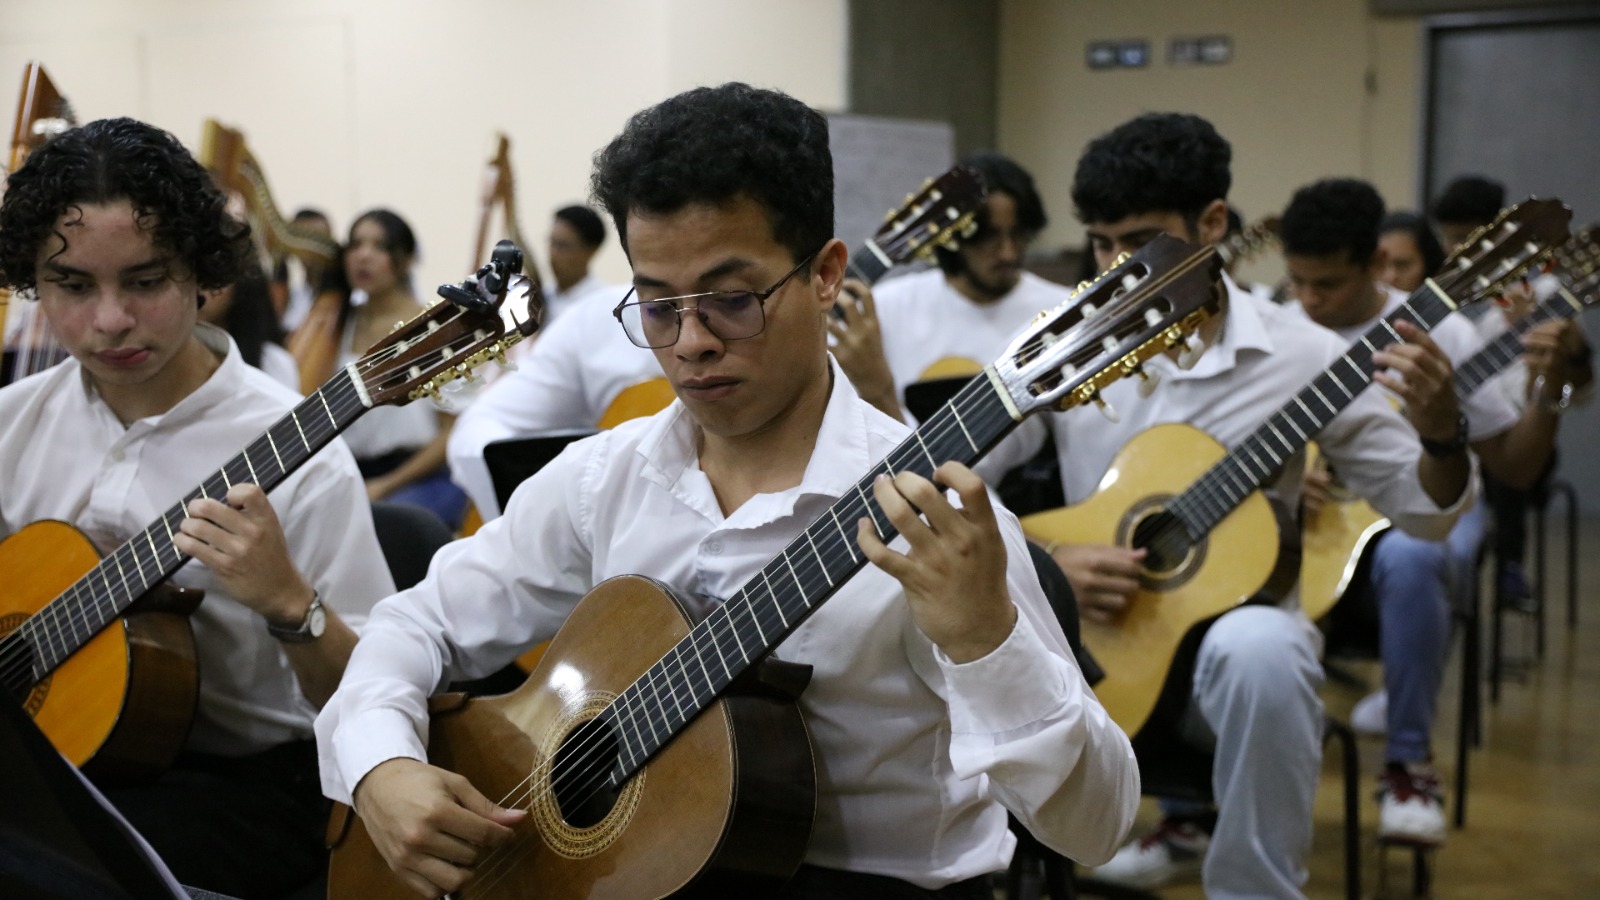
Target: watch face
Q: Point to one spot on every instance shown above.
(316, 620)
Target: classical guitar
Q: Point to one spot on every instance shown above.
(938, 215)
(1338, 533)
(1212, 537)
(668, 756)
(111, 682)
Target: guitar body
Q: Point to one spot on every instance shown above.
(636, 401)
(1239, 558)
(121, 705)
(724, 809)
(1335, 537)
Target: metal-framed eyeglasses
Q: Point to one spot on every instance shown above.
(729, 315)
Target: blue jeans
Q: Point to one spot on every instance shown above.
(1414, 583)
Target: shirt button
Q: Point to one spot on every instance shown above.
(116, 455)
(714, 548)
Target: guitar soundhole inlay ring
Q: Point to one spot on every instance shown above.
(578, 841)
(1173, 558)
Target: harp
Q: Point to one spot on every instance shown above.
(500, 190)
(224, 153)
(26, 344)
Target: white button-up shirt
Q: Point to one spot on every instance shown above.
(914, 751)
(64, 455)
(575, 369)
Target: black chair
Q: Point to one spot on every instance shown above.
(515, 460)
(409, 536)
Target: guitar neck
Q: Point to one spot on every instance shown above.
(869, 263)
(1261, 455)
(749, 624)
(149, 557)
(1499, 353)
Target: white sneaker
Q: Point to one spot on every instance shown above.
(1172, 852)
(1411, 805)
(1370, 715)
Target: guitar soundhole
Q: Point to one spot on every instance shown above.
(581, 774)
(1166, 540)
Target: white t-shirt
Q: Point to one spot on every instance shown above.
(926, 321)
(68, 457)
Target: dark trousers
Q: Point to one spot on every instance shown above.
(248, 827)
(817, 883)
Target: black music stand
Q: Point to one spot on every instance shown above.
(924, 398)
(58, 836)
(513, 461)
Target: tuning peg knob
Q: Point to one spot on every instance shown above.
(1190, 354)
(1147, 381)
(1106, 409)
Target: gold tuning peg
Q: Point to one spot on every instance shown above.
(1106, 409)
(1190, 354)
(1148, 381)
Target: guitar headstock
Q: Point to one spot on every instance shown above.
(1248, 242)
(1577, 265)
(1520, 237)
(476, 322)
(933, 217)
(1144, 305)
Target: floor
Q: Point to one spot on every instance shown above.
(1533, 803)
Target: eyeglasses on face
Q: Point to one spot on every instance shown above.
(729, 315)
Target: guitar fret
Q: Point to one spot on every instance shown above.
(1390, 328)
(956, 412)
(754, 618)
(818, 555)
(849, 545)
(275, 455)
(776, 603)
(733, 626)
(877, 529)
(254, 479)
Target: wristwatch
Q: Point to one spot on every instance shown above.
(309, 629)
(1451, 447)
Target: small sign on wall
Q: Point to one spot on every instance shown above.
(1127, 54)
(1210, 50)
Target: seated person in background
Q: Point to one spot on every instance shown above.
(117, 230)
(1411, 251)
(957, 318)
(400, 449)
(1330, 240)
(1252, 689)
(942, 695)
(244, 310)
(298, 277)
(1466, 204)
(576, 234)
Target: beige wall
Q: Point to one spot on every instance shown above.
(350, 104)
(1296, 101)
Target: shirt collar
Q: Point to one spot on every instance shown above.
(841, 456)
(1243, 331)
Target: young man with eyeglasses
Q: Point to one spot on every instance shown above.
(942, 694)
(957, 317)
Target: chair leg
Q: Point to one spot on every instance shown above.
(1571, 493)
(1539, 592)
(1339, 731)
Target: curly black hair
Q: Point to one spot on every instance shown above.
(1333, 215)
(1000, 174)
(710, 144)
(1470, 200)
(1421, 232)
(122, 159)
(1158, 162)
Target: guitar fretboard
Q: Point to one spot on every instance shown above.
(64, 624)
(869, 263)
(772, 604)
(1262, 454)
(1498, 353)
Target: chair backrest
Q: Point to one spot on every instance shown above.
(409, 536)
(513, 461)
